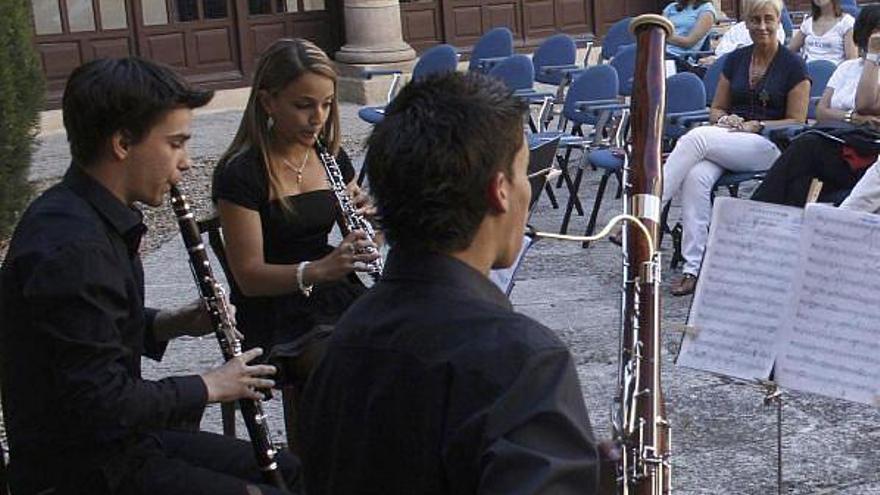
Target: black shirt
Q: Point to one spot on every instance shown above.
(433, 385)
(288, 238)
(768, 99)
(73, 329)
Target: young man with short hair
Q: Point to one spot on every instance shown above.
(73, 326)
(432, 384)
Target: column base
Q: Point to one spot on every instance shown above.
(352, 87)
(399, 52)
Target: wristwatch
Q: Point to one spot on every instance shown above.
(847, 116)
(873, 57)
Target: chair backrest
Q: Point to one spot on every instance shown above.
(598, 82)
(618, 35)
(851, 7)
(212, 227)
(820, 72)
(787, 24)
(516, 71)
(498, 42)
(684, 92)
(541, 157)
(437, 60)
(558, 49)
(711, 78)
(625, 64)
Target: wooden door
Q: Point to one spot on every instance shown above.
(264, 21)
(195, 37)
(68, 33)
(544, 18)
(464, 21)
(421, 23)
(608, 12)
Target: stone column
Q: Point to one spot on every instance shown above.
(374, 40)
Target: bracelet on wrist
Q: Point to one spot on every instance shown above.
(306, 290)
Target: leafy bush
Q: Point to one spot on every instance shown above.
(21, 98)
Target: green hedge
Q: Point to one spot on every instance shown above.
(21, 98)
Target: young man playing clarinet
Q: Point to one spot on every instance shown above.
(432, 384)
(73, 326)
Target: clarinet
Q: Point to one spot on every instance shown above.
(213, 296)
(351, 219)
(639, 422)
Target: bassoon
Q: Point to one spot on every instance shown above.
(213, 296)
(638, 416)
(639, 420)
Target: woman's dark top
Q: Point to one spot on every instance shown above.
(288, 238)
(768, 100)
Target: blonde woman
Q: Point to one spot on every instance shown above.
(275, 207)
(761, 84)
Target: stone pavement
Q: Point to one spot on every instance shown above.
(723, 436)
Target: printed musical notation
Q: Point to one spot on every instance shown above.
(745, 285)
(831, 342)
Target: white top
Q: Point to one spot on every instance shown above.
(844, 82)
(829, 46)
(866, 195)
(738, 36)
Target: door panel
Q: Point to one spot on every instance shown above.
(68, 33)
(197, 38)
(609, 12)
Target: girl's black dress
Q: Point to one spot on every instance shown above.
(287, 239)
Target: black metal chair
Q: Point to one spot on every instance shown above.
(212, 227)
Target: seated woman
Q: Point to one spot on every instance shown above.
(851, 96)
(692, 20)
(760, 85)
(827, 34)
(736, 37)
(275, 207)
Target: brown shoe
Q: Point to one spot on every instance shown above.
(685, 285)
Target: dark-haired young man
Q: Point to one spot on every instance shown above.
(432, 384)
(73, 326)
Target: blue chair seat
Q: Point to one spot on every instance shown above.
(372, 115)
(565, 140)
(606, 159)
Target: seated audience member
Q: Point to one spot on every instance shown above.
(760, 85)
(692, 20)
(827, 34)
(865, 196)
(850, 97)
(736, 37)
(431, 383)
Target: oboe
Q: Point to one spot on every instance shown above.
(351, 219)
(213, 296)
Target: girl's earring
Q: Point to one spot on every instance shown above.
(270, 122)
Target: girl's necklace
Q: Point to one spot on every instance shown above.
(298, 170)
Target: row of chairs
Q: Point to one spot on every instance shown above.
(582, 92)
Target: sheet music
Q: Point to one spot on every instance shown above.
(831, 344)
(746, 280)
(503, 277)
